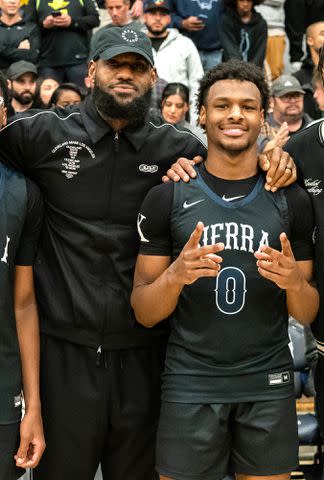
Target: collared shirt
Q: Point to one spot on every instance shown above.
(93, 181)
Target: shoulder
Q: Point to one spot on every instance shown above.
(160, 194)
(35, 116)
(312, 132)
(298, 195)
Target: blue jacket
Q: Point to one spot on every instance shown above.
(208, 38)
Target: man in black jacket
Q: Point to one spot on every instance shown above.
(100, 371)
(66, 27)
(19, 40)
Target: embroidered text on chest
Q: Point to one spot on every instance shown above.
(235, 236)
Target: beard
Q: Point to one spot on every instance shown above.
(157, 32)
(23, 98)
(134, 111)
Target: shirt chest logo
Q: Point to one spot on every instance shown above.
(313, 186)
(148, 168)
(71, 153)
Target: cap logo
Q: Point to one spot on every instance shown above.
(130, 36)
(288, 83)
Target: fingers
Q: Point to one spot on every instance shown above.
(286, 246)
(195, 237)
(182, 170)
(22, 452)
(282, 170)
(264, 163)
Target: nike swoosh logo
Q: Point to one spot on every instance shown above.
(188, 205)
(230, 199)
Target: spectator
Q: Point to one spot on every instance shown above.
(274, 14)
(318, 92)
(243, 32)
(299, 15)
(22, 77)
(288, 105)
(176, 57)
(44, 89)
(314, 40)
(119, 12)
(66, 94)
(19, 40)
(199, 20)
(175, 109)
(65, 28)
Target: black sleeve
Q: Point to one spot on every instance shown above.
(15, 151)
(89, 20)
(30, 55)
(31, 230)
(302, 222)
(228, 38)
(260, 43)
(154, 221)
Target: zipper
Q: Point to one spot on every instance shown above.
(99, 351)
(116, 142)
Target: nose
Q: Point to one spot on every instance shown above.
(235, 113)
(124, 72)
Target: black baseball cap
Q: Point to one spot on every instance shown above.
(117, 40)
(156, 5)
(17, 69)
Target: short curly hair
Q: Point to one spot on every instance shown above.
(233, 70)
(233, 3)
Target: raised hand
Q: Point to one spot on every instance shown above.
(195, 261)
(280, 267)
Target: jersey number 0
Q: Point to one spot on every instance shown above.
(230, 290)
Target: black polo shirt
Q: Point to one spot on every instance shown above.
(93, 181)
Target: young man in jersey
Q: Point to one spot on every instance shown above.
(21, 442)
(215, 256)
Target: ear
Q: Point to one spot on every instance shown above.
(153, 76)
(202, 116)
(92, 68)
(262, 117)
(186, 107)
(309, 41)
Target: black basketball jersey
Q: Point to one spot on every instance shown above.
(229, 338)
(13, 204)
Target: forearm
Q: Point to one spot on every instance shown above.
(303, 303)
(153, 302)
(28, 338)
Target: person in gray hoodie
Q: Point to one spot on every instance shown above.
(168, 44)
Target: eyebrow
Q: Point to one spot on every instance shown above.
(247, 99)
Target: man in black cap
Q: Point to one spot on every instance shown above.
(100, 370)
(22, 77)
(168, 43)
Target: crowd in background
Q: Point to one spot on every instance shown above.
(45, 47)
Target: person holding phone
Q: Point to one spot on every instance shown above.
(65, 28)
(199, 22)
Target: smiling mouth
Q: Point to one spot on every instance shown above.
(233, 131)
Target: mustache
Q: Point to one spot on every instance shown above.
(125, 82)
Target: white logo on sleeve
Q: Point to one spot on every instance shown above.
(140, 219)
(4, 258)
(188, 205)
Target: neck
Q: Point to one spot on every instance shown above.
(157, 35)
(294, 122)
(116, 124)
(18, 107)
(232, 165)
(10, 19)
(315, 56)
